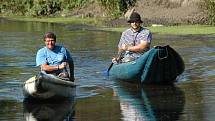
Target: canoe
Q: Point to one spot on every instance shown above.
(159, 65)
(46, 86)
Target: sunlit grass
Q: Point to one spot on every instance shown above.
(180, 30)
(184, 29)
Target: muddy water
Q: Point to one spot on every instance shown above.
(99, 98)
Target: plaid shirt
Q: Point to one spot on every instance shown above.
(131, 38)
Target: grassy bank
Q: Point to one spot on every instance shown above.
(180, 30)
(63, 20)
(177, 30)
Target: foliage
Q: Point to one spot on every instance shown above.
(12, 6)
(209, 5)
(117, 7)
(47, 7)
(51, 7)
(38, 7)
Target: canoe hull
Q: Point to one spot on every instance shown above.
(47, 86)
(159, 65)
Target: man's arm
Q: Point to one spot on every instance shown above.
(138, 48)
(46, 67)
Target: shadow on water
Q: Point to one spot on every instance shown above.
(49, 111)
(153, 103)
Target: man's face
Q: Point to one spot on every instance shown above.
(50, 43)
(135, 25)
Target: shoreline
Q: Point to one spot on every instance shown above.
(98, 24)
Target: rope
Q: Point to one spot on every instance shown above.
(159, 53)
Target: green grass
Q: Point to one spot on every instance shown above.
(64, 20)
(177, 30)
(184, 29)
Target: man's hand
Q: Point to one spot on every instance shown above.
(124, 47)
(114, 60)
(63, 65)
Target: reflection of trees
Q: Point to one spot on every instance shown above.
(150, 102)
(49, 110)
(9, 109)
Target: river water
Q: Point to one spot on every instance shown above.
(98, 97)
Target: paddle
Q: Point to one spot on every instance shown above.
(106, 72)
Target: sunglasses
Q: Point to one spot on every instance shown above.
(135, 21)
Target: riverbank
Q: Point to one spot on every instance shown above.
(99, 24)
(113, 13)
(63, 20)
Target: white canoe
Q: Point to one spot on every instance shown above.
(45, 86)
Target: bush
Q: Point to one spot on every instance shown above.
(44, 7)
(209, 6)
(50, 7)
(116, 7)
(38, 7)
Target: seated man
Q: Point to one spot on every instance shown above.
(53, 59)
(134, 41)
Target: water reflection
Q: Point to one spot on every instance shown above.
(10, 110)
(150, 103)
(49, 111)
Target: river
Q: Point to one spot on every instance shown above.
(98, 97)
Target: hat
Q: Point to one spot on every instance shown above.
(135, 17)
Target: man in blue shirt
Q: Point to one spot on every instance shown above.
(134, 41)
(53, 59)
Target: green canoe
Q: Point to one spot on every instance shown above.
(161, 64)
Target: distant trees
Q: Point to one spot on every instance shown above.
(38, 7)
(117, 7)
(209, 6)
(114, 8)
(52, 7)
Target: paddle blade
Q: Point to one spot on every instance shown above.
(105, 72)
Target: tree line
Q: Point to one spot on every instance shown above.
(116, 8)
(53, 7)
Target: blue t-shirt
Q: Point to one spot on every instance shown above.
(52, 57)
